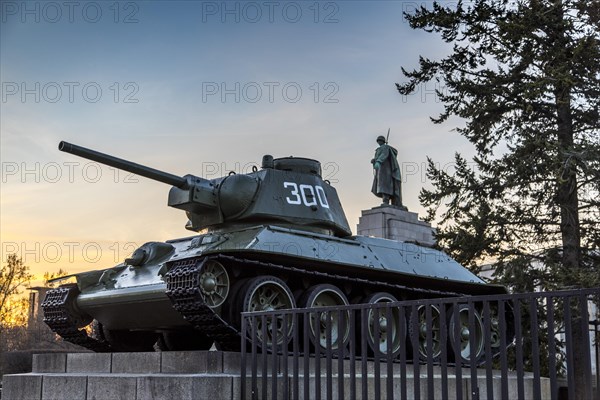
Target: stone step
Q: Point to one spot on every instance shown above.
(98, 386)
(216, 375)
(212, 362)
(168, 362)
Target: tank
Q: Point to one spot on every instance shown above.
(274, 238)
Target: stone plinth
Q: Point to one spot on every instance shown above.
(393, 223)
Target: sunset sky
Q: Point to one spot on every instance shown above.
(202, 88)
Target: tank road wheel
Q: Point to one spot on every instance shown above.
(463, 353)
(214, 283)
(494, 329)
(423, 329)
(124, 340)
(186, 340)
(379, 342)
(325, 295)
(268, 293)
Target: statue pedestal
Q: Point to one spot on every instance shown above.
(393, 223)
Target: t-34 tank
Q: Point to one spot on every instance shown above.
(275, 238)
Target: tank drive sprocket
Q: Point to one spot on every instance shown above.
(184, 291)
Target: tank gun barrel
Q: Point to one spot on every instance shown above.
(125, 165)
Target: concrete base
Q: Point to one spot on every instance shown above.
(216, 375)
(389, 222)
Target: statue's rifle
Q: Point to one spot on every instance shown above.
(387, 138)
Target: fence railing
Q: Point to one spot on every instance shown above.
(520, 346)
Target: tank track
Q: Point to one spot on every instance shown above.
(183, 289)
(62, 320)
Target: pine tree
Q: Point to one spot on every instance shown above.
(524, 77)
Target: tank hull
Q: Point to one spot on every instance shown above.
(135, 297)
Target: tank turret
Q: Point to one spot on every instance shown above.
(288, 191)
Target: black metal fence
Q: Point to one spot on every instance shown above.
(521, 346)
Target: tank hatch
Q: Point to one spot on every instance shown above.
(298, 164)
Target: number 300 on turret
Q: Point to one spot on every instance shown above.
(305, 194)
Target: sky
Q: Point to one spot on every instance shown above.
(201, 88)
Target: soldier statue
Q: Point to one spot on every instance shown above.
(386, 182)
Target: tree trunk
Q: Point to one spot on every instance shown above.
(567, 186)
(570, 232)
(567, 196)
